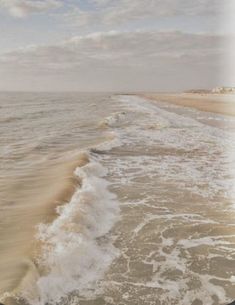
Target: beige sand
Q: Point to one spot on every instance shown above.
(217, 103)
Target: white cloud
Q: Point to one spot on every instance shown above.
(114, 12)
(120, 61)
(22, 8)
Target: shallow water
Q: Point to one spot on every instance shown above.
(152, 219)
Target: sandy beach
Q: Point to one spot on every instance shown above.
(216, 103)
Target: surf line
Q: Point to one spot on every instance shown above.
(75, 248)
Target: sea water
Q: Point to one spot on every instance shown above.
(113, 199)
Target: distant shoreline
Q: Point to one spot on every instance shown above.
(216, 103)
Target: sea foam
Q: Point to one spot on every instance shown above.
(75, 251)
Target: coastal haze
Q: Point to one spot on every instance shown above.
(115, 189)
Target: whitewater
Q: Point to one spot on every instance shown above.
(115, 199)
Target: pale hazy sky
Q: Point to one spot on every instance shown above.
(100, 45)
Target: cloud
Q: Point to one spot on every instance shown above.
(114, 12)
(119, 61)
(22, 8)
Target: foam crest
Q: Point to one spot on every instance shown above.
(116, 119)
(75, 252)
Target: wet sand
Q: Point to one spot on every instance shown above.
(216, 103)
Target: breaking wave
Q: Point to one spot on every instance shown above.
(75, 251)
(117, 119)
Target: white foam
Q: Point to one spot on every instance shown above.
(208, 241)
(232, 279)
(179, 289)
(116, 119)
(115, 141)
(75, 256)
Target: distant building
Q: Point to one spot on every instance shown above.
(223, 90)
(199, 91)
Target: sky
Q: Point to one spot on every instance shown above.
(116, 45)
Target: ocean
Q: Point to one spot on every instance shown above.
(115, 200)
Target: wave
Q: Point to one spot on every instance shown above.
(117, 119)
(75, 248)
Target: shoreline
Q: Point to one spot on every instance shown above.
(216, 103)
